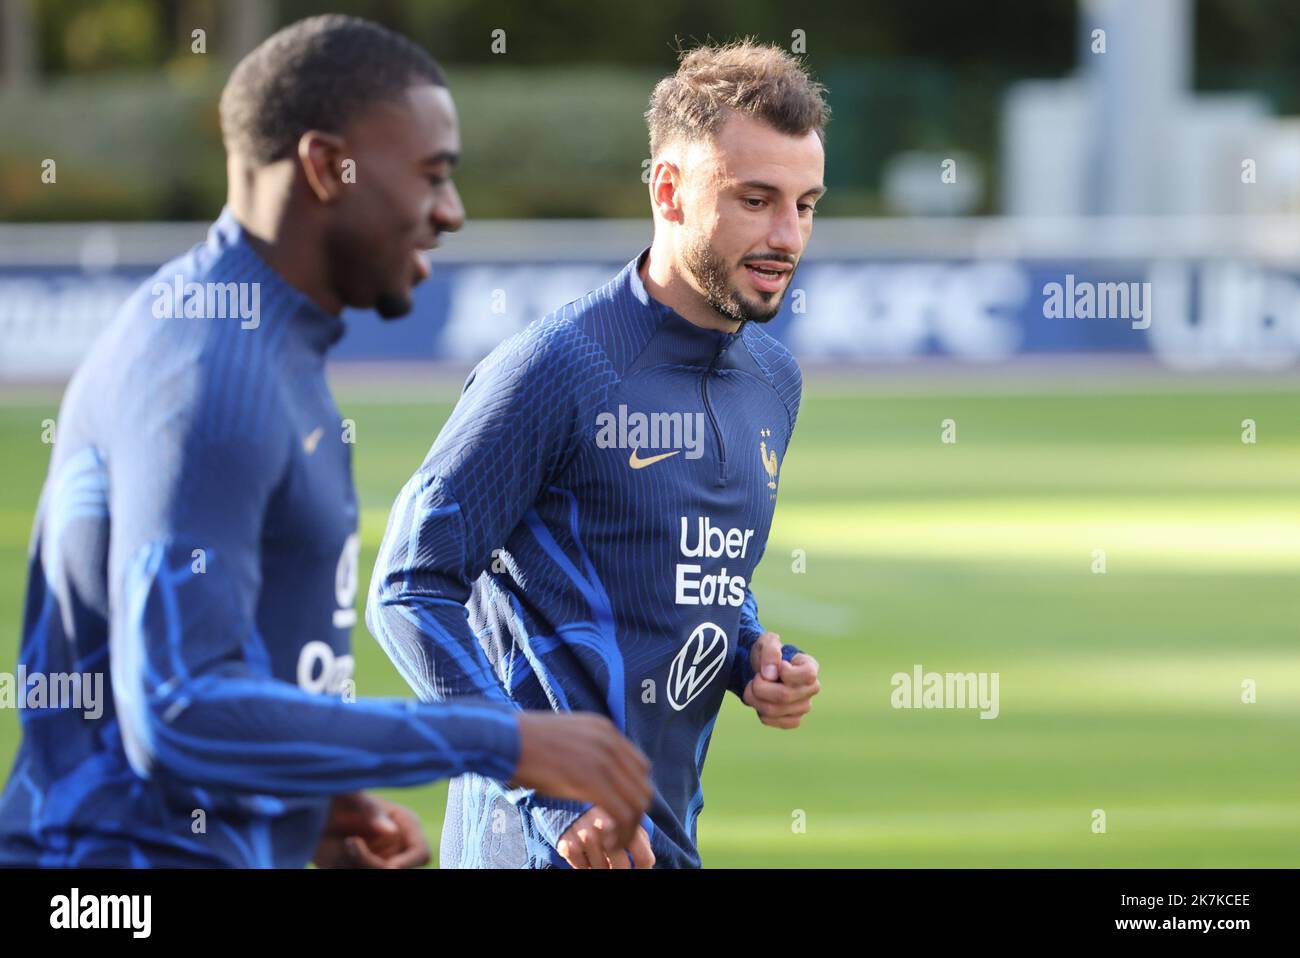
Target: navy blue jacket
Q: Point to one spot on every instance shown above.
(581, 537)
(196, 544)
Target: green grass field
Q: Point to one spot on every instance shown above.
(1118, 691)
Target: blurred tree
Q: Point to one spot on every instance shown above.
(17, 42)
(245, 24)
(552, 117)
(1249, 45)
(84, 36)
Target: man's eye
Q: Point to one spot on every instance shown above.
(807, 208)
(754, 202)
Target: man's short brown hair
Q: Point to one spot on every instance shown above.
(713, 82)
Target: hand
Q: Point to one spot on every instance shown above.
(781, 692)
(581, 845)
(365, 831)
(582, 756)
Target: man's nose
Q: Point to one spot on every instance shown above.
(786, 235)
(448, 212)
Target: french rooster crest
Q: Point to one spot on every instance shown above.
(770, 462)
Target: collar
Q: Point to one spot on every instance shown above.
(315, 327)
(676, 340)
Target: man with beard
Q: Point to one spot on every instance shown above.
(602, 493)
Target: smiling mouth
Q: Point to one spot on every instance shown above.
(768, 279)
(420, 266)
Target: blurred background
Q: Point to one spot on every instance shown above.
(965, 452)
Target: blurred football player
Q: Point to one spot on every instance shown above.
(197, 534)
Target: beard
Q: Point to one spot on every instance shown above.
(358, 274)
(713, 277)
(393, 305)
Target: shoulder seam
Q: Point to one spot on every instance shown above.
(767, 373)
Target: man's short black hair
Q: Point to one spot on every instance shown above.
(316, 74)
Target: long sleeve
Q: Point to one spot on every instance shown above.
(786, 378)
(512, 431)
(742, 670)
(190, 487)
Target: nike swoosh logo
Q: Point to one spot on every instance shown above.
(636, 463)
(310, 440)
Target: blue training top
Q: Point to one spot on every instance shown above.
(581, 537)
(196, 541)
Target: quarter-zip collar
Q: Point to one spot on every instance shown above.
(676, 340)
(314, 327)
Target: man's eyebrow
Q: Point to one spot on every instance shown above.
(817, 190)
(442, 156)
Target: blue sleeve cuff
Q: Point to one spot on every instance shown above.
(553, 817)
(743, 672)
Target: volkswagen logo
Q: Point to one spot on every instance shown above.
(700, 659)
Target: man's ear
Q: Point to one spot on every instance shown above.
(321, 156)
(666, 190)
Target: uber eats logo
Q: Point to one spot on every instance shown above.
(701, 539)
